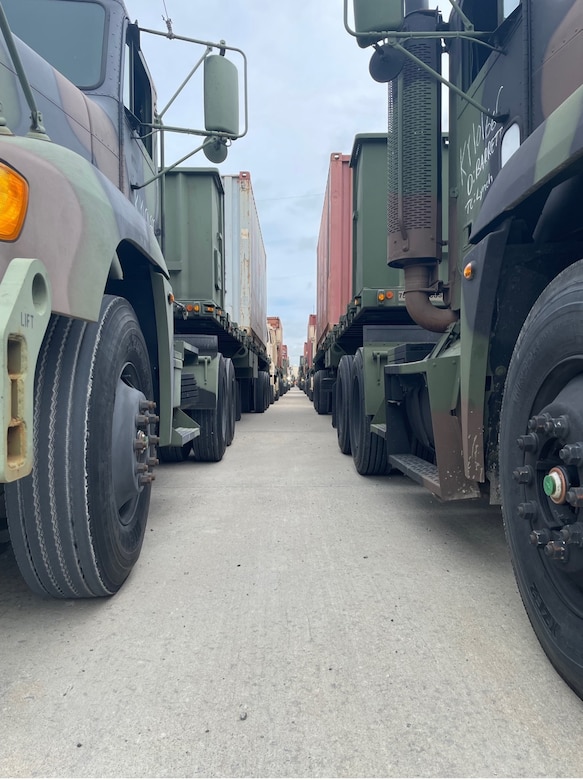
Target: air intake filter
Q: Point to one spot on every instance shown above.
(414, 160)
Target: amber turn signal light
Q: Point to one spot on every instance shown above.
(13, 203)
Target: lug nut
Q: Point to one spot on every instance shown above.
(528, 510)
(528, 443)
(572, 534)
(152, 462)
(153, 440)
(140, 445)
(147, 406)
(561, 426)
(142, 420)
(557, 551)
(556, 426)
(523, 474)
(538, 422)
(540, 538)
(572, 454)
(575, 497)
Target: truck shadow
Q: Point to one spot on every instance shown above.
(474, 527)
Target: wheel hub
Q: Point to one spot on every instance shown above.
(134, 446)
(551, 478)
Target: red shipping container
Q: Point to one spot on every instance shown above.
(334, 253)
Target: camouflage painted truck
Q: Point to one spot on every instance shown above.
(93, 378)
(494, 407)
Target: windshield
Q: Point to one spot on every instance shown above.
(67, 33)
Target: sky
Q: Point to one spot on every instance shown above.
(309, 93)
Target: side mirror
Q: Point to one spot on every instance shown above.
(376, 16)
(221, 95)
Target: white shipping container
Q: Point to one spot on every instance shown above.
(245, 259)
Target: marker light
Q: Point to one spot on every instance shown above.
(469, 271)
(381, 297)
(13, 203)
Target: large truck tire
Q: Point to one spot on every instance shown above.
(261, 390)
(231, 400)
(343, 384)
(317, 392)
(238, 410)
(77, 521)
(210, 445)
(541, 470)
(322, 400)
(247, 387)
(175, 454)
(368, 450)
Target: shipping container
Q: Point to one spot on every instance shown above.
(201, 266)
(375, 291)
(277, 350)
(334, 248)
(275, 323)
(246, 261)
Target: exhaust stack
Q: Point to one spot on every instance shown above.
(414, 172)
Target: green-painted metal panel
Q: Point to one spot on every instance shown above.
(369, 196)
(194, 234)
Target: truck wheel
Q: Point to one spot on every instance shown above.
(77, 521)
(261, 389)
(343, 383)
(175, 454)
(317, 391)
(368, 450)
(238, 412)
(211, 444)
(231, 400)
(246, 388)
(541, 470)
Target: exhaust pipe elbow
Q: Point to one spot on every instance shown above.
(420, 308)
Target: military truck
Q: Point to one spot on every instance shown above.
(493, 407)
(218, 271)
(93, 375)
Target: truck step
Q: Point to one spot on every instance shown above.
(187, 434)
(419, 470)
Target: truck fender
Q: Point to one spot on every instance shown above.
(75, 222)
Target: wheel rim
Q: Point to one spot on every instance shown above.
(550, 479)
(131, 440)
